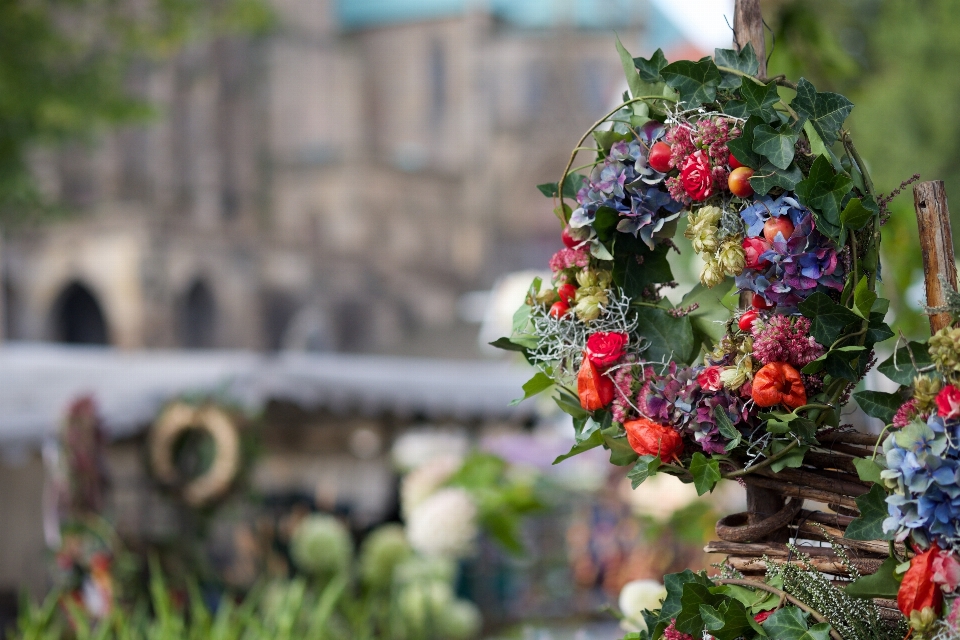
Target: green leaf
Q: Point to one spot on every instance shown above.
(825, 111)
(570, 187)
(882, 584)
(645, 467)
(769, 176)
(669, 338)
(634, 81)
(900, 367)
(710, 316)
(712, 619)
(583, 429)
(621, 453)
(571, 404)
(878, 330)
(823, 190)
(538, 383)
(508, 345)
(595, 440)
(744, 60)
(736, 622)
(868, 469)
(855, 215)
(863, 298)
(606, 139)
(873, 511)
(694, 595)
(828, 319)
(636, 267)
(758, 100)
(706, 473)
(696, 82)
(777, 145)
(742, 147)
(792, 460)
(878, 404)
(672, 605)
(727, 430)
(788, 623)
(649, 70)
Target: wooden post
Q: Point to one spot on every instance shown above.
(936, 242)
(748, 27)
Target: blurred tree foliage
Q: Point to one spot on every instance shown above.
(64, 67)
(897, 60)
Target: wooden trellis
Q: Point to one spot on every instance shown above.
(776, 501)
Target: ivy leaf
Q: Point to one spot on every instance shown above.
(630, 71)
(857, 214)
(900, 366)
(538, 383)
(878, 404)
(824, 189)
(649, 70)
(873, 511)
(621, 453)
(645, 467)
(778, 145)
(605, 140)
(882, 584)
(672, 605)
(769, 176)
(742, 147)
(570, 186)
(706, 473)
(734, 621)
(793, 459)
(878, 330)
(635, 266)
(868, 469)
(790, 623)
(759, 99)
(825, 111)
(694, 595)
(669, 338)
(827, 317)
(745, 60)
(863, 298)
(712, 619)
(839, 365)
(696, 82)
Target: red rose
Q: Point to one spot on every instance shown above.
(695, 176)
(753, 248)
(595, 389)
(648, 438)
(779, 383)
(918, 590)
(709, 378)
(948, 402)
(604, 349)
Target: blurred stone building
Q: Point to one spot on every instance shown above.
(338, 184)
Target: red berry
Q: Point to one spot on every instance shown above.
(568, 240)
(559, 309)
(567, 292)
(760, 302)
(774, 225)
(739, 182)
(733, 162)
(746, 320)
(659, 158)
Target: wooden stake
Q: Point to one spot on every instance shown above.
(936, 242)
(748, 27)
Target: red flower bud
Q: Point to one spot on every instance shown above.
(918, 590)
(595, 389)
(648, 438)
(779, 383)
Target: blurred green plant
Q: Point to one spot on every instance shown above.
(65, 67)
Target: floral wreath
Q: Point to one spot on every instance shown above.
(768, 187)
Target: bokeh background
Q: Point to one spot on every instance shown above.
(322, 211)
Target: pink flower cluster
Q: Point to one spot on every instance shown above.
(671, 633)
(569, 259)
(709, 135)
(906, 413)
(781, 338)
(623, 381)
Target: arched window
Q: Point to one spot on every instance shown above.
(78, 317)
(198, 317)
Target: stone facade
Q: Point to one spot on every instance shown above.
(317, 188)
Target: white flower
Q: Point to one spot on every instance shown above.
(445, 524)
(418, 447)
(637, 596)
(421, 483)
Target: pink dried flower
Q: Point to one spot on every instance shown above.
(906, 413)
(671, 633)
(568, 259)
(781, 338)
(623, 385)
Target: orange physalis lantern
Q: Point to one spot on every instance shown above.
(779, 383)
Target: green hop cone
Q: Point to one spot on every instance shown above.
(384, 549)
(321, 546)
(925, 390)
(732, 258)
(945, 351)
(421, 606)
